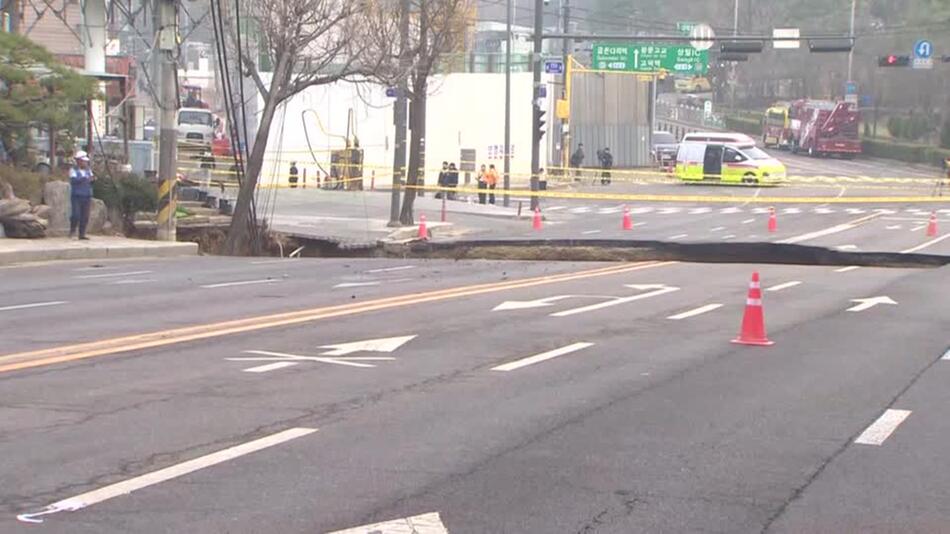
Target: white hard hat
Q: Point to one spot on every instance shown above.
(81, 155)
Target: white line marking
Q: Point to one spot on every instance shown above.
(918, 228)
(636, 224)
(946, 355)
(590, 232)
(828, 231)
(555, 208)
(657, 290)
(748, 221)
(718, 229)
(269, 367)
(730, 236)
(163, 475)
(356, 284)
(692, 313)
(677, 236)
(244, 283)
(925, 245)
(524, 362)
(34, 305)
(848, 269)
(109, 275)
(881, 429)
(894, 227)
(786, 285)
(391, 269)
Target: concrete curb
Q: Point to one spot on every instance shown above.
(55, 253)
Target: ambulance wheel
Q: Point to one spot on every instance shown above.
(750, 179)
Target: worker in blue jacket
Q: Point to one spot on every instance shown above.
(80, 178)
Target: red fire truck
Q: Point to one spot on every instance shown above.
(822, 128)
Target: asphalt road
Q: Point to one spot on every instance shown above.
(595, 398)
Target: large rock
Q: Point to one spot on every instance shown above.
(98, 216)
(25, 225)
(10, 208)
(56, 196)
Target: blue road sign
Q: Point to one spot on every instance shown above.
(923, 49)
(543, 91)
(391, 92)
(554, 66)
(851, 88)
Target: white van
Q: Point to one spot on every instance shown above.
(726, 158)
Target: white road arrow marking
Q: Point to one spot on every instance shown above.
(509, 305)
(868, 303)
(417, 524)
(269, 356)
(383, 344)
(658, 289)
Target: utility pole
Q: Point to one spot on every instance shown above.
(566, 51)
(166, 28)
(735, 32)
(854, 8)
(507, 199)
(536, 102)
(399, 114)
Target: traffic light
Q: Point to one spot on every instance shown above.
(893, 61)
(831, 45)
(539, 123)
(741, 47)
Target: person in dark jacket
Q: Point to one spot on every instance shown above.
(577, 159)
(606, 163)
(80, 180)
(294, 175)
(443, 178)
(452, 180)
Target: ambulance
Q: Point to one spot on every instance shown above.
(728, 158)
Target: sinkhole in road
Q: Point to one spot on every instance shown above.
(624, 250)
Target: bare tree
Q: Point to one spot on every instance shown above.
(309, 43)
(434, 35)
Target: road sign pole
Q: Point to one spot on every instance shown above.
(536, 101)
(854, 7)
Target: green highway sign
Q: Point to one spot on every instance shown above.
(649, 57)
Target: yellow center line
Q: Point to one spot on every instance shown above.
(117, 345)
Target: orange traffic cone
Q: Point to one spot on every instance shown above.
(773, 222)
(536, 222)
(932, 226)
(423, 231)
(627, 223)
(753, 321)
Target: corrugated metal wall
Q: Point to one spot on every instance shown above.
(611, 110)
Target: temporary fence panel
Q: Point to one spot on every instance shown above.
(611, 110)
